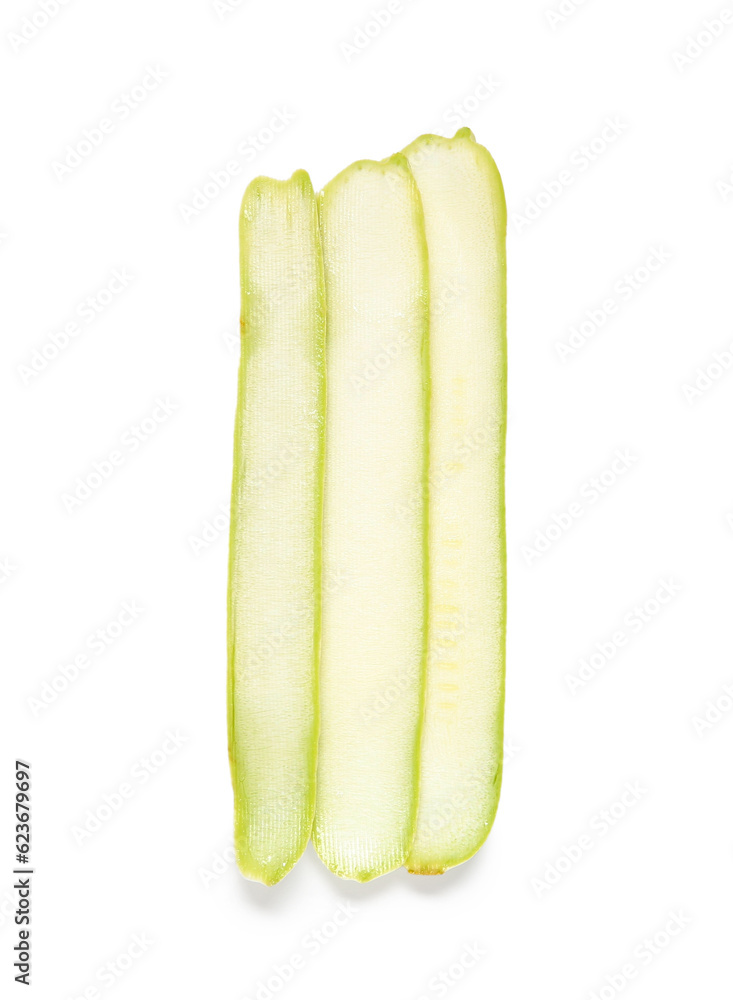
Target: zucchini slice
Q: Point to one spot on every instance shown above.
(274, 560)
(374, 538)
(461, 755)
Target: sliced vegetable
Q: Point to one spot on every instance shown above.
(374, 537)
(461, 756)
(274, 573)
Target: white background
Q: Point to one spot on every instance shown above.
(661, 184)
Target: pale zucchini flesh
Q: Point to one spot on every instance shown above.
(462, 740)
(374, 537)
(274, 572)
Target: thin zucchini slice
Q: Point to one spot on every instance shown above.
(374, 538)
(274, 565)
(461, 756)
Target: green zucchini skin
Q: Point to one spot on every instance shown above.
(274, 595)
